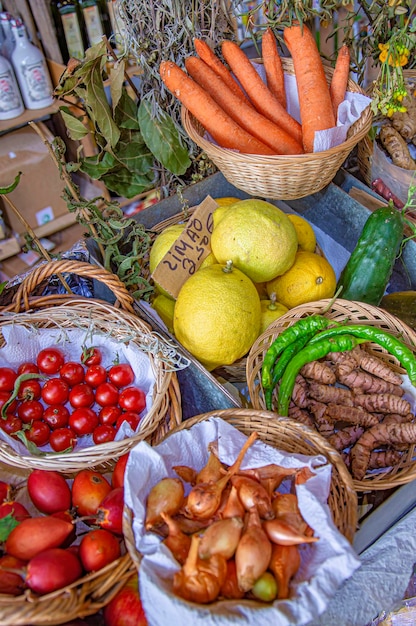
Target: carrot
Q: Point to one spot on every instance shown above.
(315, 103)
(244, 114)
(208, 55)
(275, 77)
(225, 131)
(258, 92)
(339, 81)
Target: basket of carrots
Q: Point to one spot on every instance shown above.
(252, 130)
(348, 370)
(82, 379)
(221, 484)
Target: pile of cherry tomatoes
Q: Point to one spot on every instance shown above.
(56, 401)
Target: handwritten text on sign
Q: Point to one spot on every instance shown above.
(189, 250)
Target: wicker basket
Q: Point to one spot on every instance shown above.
(289, 436)
(66, 312)
(356, 313)
(281, 177)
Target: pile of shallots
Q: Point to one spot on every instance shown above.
(234, 535)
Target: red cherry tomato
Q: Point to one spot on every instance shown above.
(121, 375)
(29, 390)
(27, 368)
(30, 411)
(95, 375)
(130, 417)
(38, 433)
(91, 356)
(83, 421)
(50, 360)
(103, 433)
(4, 397)
(7, 378)
(72, 373)
(55, 391)
(132, 399)
(109, 415)
(81, 396)
(11, 424)
(106, 394)
(62, 439)
(56, 416)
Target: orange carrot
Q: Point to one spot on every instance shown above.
(208, 55)
(258, 92)
(244, 114)
(275, 77)
(339, 81)
(226, 132)
(315, 103)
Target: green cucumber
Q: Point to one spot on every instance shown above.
(370, 266)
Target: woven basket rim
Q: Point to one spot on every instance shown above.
(357, 312)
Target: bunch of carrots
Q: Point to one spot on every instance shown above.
(243, 113)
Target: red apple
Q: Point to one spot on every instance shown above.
(126, 609)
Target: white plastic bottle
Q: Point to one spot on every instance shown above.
(11, 104)
(31, 70)
(7, 45)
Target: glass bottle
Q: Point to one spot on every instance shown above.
(31, 70)
(94, 21)
(7, 45)
(70, 29)
(11, 103)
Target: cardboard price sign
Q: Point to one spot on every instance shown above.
(189, 250)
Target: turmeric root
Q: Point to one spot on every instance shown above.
(383, 434)
(325, 393)
(344, 362)
(350, 415)
(346, 437)
(376, 366)
(319, 371)
(367, 382)
(300, 394)
(382, 403)
(325, 427)
(300, 415)
(397, 148)
(384, 458)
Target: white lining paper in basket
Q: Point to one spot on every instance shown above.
(23, 344)
(326, 563)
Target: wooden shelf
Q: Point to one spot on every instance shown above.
(28, 116)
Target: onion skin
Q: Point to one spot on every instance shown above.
(230, 588)
(177, 541)
(233, 506)
(253, 552)
(279, 532)
(286, 509)
(221, 537)
(284, 563)
(253, 494)
(212, 471)
(166, 496)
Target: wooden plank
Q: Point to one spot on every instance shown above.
(46, 27)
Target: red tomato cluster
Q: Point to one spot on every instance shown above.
(48, 549)
(66, 400)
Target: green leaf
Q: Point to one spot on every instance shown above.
(7, 524)
(125, 115)
(162, 138)
(97, 166)
(126, 184)
(98, 104)
(117, 79)
(12, 186)
(76, 129)
(32, 448)
(134, 154)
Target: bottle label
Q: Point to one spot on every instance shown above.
(9, 95)
(93, 23)
(36, 80)
(73, 35)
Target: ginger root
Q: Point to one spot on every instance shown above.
(397, 148)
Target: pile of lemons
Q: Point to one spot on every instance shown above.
(263, 263)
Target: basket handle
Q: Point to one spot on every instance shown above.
(66, 266)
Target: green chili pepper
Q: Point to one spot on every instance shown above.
(287, 354)
(311, 324)
(311, 352)
(395, 346)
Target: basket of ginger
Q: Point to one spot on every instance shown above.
(234, 515)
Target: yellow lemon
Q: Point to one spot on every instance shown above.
(257, 237)
(160, 246)
(304, 231)
(270, 311)
(165, 307)
(217, 315)
(227, 200)
(209, 260)
(310, 278)
(223, 203)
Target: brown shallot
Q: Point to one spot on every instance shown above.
(284, 563)
(279, 532)
(233, 506)
(253, 552)
(177, 541)
(221, 537)
(166, 496)
(230, 588)
(253, 494)
(286, 509)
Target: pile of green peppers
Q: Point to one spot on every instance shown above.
(312, 338)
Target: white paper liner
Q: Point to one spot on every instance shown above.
(326, 564)
(23, 344)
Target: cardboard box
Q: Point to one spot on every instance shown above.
(38, 196)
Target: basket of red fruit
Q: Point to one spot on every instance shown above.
(64, 555)
(81, 380)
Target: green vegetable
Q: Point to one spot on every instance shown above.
(314, 352)
(306, 325)
(405, 355)
(402, 304)
(370, 266)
